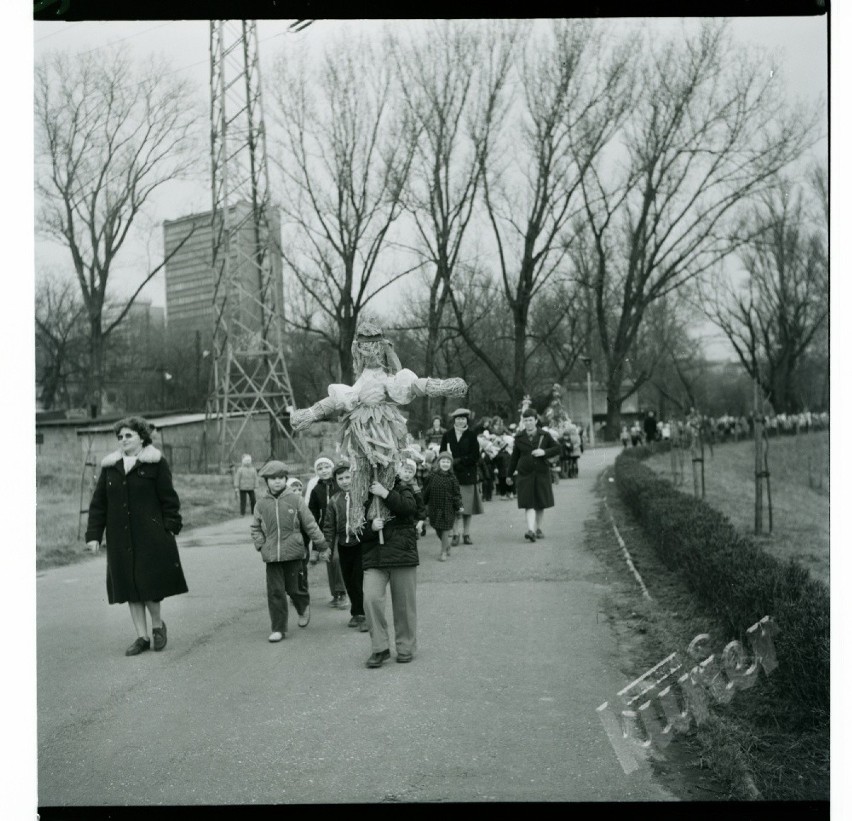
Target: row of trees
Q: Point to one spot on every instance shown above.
(547, 190)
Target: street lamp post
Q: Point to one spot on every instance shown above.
(587, 361)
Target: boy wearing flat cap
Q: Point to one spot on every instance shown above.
(276, 529)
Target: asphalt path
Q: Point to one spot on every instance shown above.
(514, 655)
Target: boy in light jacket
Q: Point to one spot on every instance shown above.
(276, 529)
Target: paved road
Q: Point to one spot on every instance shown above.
(499, 704)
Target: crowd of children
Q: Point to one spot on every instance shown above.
(293, 527)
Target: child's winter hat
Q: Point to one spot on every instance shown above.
(445, 454)
(323, 460)
(293, 481)
(273, 470)
(341, 466)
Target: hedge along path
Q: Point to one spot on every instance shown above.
(626, 552)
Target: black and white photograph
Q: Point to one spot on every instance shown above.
(427, 410)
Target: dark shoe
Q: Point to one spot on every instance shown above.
(468, 540)
(455, 540)
(353, 622)
(378, 659)
(138, 646)
(305, 617)
(159, 637)
(403, 658)
(538, 533)
(529, 535)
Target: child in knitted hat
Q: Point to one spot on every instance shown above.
(407, 470)
(340, 534)
(323, 490)
(442, 498)
(245, 483)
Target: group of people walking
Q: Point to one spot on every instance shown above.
(136, 508)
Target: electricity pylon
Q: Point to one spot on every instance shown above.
(250, 373)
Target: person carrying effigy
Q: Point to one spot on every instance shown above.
(373, 430)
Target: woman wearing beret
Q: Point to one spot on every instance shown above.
(464, 446)
(136, 505)
(532, 448)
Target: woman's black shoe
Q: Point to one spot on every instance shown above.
(138, 646)
(160, 637)
(529, 535)
(467, 540)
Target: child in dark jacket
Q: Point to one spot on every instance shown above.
(345, 544)
(276, 529)
(408, 474)
(391, 559)
(442, 497)
(322, 492)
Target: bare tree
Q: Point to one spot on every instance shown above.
(709, 129)
(108, 135)
(453, 77)
(345, 152)
(60, 344)
(574, 95)
(773, 317)
(558, 335)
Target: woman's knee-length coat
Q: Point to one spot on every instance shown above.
(534, 483)
(140, 514)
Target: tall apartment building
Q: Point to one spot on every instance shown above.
(190, 279)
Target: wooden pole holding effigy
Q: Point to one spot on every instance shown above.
(374, 476)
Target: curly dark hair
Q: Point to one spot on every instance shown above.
(136, 423)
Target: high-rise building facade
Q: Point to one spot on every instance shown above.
(190, 279)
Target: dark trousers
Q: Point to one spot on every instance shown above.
(246, 494)
(286, 579)
(353, 577)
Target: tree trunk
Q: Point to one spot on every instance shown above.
(95, 376)
(613, 406)
(347, 335)
(519, 377)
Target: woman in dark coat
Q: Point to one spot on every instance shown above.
(464, 446)
(533, 447)
(135, 503)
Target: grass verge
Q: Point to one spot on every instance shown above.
(746, 749)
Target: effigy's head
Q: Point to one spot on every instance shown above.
(370, 349)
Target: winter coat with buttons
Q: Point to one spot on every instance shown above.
(465, 452)
(277, 525)
(442, 496)
(140, 513)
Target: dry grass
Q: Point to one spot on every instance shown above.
(799, 481)
(205, 499)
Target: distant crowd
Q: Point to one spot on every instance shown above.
(717, 429)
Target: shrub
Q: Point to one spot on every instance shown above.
(739, 584)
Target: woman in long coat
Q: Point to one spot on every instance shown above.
(464, 446)
(135, 503)
(532, 448)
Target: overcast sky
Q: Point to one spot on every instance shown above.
(800, 44)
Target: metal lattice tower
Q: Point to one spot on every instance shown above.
(250, 373)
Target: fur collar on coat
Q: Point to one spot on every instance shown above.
(148, 454)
